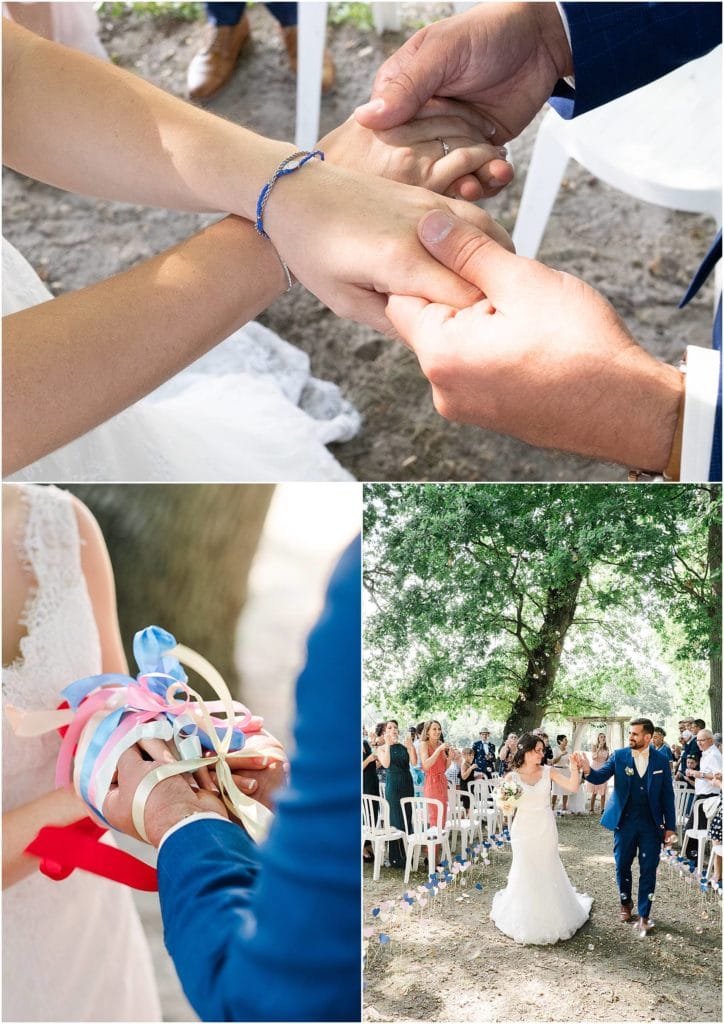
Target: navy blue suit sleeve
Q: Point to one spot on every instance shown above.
(620, 47)
(273, 933)
(603, 774)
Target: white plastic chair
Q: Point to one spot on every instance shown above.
(661, 144)
(416, 810)
(376, 829)
(699, 835)
(716, 851)
(312, 32)
(683, 795)
(483, 791)
(459, 825)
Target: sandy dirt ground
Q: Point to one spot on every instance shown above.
(453, 964)
(639, 255)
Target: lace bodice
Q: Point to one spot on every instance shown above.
(535, 798)
(61, 642)
(53, 931)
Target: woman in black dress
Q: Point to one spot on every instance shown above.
(396, 759)
(370, 784)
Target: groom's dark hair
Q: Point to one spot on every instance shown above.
(648, 725)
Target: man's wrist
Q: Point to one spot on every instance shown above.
(554, 35)
(655, 399)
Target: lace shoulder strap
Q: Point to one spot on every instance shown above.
(50, 549)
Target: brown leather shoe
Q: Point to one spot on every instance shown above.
(626, 912)
(329, 71)
(212, 67)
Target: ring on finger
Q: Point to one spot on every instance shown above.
(445, 147)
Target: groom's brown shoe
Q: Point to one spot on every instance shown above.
(213, 65)
(626, 912)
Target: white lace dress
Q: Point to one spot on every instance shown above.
(72, 950)
(538, 905)
(249, 410)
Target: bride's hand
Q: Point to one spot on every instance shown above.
(414, 153)
(352, 239)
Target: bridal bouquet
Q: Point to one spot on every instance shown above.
(508, 795)
(103, 716)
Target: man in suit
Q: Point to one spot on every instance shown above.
(484, 754)
(641, 814)
(269, 933)
(594, 390)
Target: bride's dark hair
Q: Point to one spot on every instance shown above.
(528, 741)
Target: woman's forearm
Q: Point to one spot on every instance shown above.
(86, 126)
(71, 363)
(22, 824)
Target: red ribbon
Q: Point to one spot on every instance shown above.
(63, 848)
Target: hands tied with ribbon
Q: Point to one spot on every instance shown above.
(106, 715)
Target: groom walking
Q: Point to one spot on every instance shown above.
(641, 814)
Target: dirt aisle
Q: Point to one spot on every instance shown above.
(453, 964)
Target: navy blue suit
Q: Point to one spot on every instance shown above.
(272, 933)
(638, 814)
(618, 47)
(484, 763)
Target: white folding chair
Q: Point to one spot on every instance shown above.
(376, 829)
(627, 143)
(416, 810)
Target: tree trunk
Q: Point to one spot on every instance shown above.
(544, 659)
(715, 617)
(181, 555)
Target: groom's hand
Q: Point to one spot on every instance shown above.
(503, 59)
(543, 357)
(669, 837)
(169, 802)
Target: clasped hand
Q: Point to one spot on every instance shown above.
(180, 796)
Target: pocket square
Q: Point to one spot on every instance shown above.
(659, 772)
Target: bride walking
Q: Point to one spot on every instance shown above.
(539, 905)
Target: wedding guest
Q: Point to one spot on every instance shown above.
(59, 623)
(418, 775)
(452, 772)
(659, 741)
(548, 752)
(379, 741)
(227, 30)
(484, 754)
(691, 747)
(467, 773)
(561, 760)
(216, 883)
(507, 753)
(434, 757)
(396, 759)
(709, 765)
(577, 56)
(714, 831)
(599, 755)
(157, 150)
(370, 784)
(717, 741)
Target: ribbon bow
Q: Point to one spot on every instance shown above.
(105, 715)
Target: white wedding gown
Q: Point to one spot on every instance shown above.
(248, 410)
(539, 905)
(72, 950)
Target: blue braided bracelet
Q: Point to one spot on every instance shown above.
(285, 167)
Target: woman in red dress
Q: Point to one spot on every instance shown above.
(435, 759)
